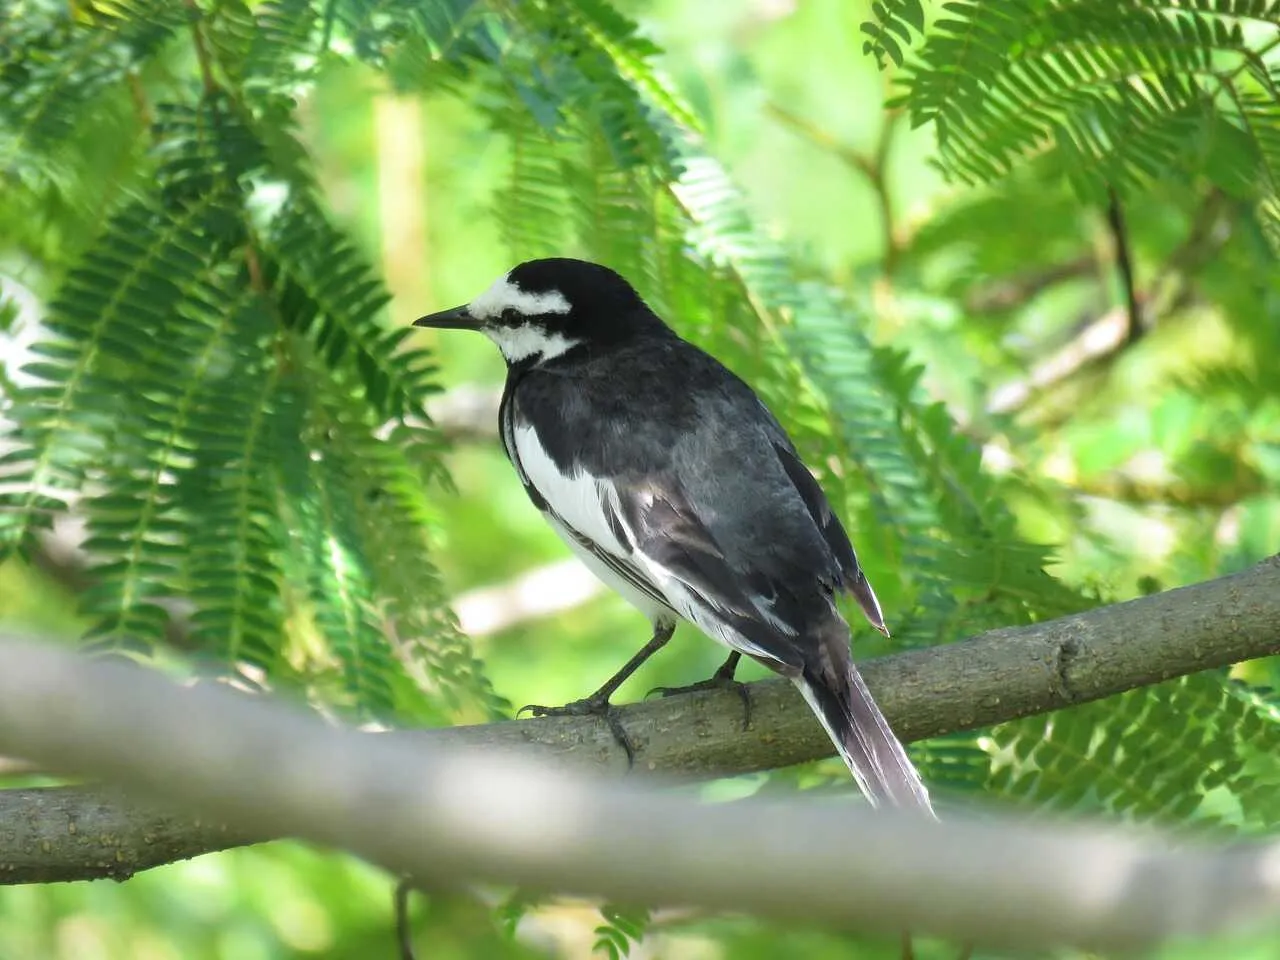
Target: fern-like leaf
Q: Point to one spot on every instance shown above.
(235, 533)
(52, 65)
(891, 27)
(137, 529)
(528, 208)
(121, 301)
(1117, 90)
(1199, 748)
(622, 928)
(331, 295)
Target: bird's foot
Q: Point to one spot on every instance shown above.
(722, 679)
(593, 706)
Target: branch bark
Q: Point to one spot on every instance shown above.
(49, 834)
(75, 833)
(430, 806)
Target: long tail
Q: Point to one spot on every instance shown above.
(862, 735)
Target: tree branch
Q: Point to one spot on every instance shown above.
(90, 833)
(1102, 340)
(446, 815)
(997, 676)
(467, 413)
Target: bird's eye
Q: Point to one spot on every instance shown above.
(509, 315)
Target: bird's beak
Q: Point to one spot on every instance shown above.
(458, 318)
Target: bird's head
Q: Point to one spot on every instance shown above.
(543, 308)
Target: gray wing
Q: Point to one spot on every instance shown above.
(815, 500)
(676, 550)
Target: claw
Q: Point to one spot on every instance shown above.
(718, 681)
(585, 708)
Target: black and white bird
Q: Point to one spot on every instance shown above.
(669, 478)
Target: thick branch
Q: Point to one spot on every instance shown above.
(997, 676)
(49, 834)
(448, 815)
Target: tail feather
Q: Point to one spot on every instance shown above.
(864, 739)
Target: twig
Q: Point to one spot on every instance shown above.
(1101, 339)
(138, 94)
(1124, 263)
(1007, 293)
(203, 58)
(884, 192)
(821, 138)
(1104, 339)
(404, 929)
(1204, 238)
(874, 168)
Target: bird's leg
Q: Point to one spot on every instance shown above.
(598, 703)
(720, 680)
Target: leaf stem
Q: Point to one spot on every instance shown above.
(203, 57)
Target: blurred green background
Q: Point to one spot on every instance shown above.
(1153, 465)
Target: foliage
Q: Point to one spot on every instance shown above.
(1112, 94)
(1133, 747)
(622, 928)
(212, 385)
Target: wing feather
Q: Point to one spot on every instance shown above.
(852, 578)
(682, 557)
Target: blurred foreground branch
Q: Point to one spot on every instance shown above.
(270, 773)
(425, 805)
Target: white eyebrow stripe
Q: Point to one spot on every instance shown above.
(505, 295)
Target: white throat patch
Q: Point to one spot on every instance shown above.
(521, 340)
(505, 295)
(520, 343)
